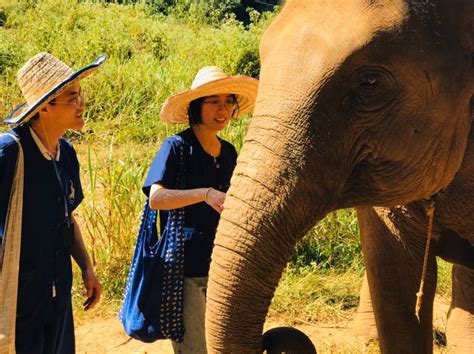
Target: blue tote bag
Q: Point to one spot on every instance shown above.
(153, 301)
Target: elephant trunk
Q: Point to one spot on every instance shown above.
(256, 236)
(290, 174)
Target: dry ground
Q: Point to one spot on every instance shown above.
(106, 336)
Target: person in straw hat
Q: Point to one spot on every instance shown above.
(213, 100)
(52, 191)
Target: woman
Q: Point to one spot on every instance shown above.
(214, 98)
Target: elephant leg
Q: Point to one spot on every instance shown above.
(393, 246)
(364, 324)
(460, 327)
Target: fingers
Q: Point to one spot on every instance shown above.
(217, 207)
(93, 296)
(89, 289)
(89, 303)
(93, 290)
(216, 200)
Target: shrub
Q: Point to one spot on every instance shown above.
(332, 243)
(7, 60)
(3, 18)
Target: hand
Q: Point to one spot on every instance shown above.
(215, 199)
(93, 289)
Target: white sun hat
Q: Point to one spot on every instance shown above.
(43, 78)
(209, 81)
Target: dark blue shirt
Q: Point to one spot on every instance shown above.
(202, 171)
(45, 254)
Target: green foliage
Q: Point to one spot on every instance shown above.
(332, 243)
(150, 58)
(111, 210)
(204, 11)
(248, 63)
(6, 60)
(212, 12)
(444, 286)
(3, 18)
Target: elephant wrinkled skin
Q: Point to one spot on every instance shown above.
(366, 104)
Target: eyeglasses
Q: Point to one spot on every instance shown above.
(77, 101)
(214, 104)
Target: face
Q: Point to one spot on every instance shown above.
(383, 119)
(217, 110)
(65, 111)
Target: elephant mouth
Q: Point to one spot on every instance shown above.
(385, 183)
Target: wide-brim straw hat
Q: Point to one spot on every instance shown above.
(43, 78)
(209, 81)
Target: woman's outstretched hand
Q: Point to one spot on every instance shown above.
(215, 199)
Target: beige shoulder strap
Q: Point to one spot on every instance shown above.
(10, 258)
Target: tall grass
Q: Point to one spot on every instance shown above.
(313, 295)
(111, 211)
(150, 57)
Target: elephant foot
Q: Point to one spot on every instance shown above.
(286, 340)
(460, 326)
(365, 326)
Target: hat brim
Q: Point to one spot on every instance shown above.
(175, 108)
(25, 111)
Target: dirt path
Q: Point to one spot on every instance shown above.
(107, 336)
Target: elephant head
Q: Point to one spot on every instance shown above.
(360, 103)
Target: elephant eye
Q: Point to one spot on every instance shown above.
(369, 82)
(371, 88)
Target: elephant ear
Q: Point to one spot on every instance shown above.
(460, 17)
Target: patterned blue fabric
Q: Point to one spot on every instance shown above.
(153, 303)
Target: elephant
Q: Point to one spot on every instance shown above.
(365, 104)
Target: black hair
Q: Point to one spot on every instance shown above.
(235, 113)
(36, 116)
(194, 110)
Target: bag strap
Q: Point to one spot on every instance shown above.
(10, 256)
(176, 216)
